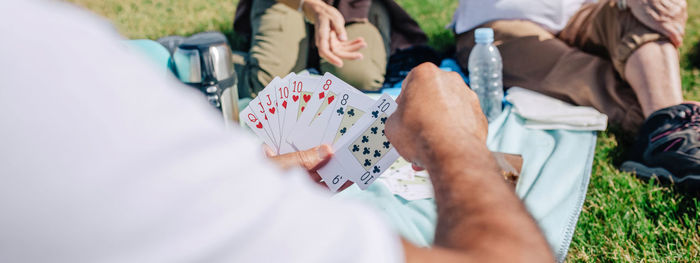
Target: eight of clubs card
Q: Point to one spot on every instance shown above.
(365, 153)
(350, 107)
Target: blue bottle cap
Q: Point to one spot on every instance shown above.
(483, 35)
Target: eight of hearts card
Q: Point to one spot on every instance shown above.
(364, 153)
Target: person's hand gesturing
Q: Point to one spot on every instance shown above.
(330, 36)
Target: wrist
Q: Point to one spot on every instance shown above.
(309, 8)
(461, 166)
(441, 148)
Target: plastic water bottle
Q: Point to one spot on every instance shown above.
(486, 73)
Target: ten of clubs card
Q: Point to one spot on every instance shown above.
(364, 153)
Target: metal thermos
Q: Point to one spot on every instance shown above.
(203, 61)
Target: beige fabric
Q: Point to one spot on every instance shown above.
(583, 65)
(367, 73)
(280, 44)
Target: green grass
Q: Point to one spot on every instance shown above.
(623, 219)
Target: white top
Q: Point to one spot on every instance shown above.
(550, 14)
(103, 161)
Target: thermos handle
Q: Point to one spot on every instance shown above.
(208, 65)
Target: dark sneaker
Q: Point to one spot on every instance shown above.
(668, 146)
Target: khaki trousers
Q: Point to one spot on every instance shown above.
(584, 64)
(281, 43)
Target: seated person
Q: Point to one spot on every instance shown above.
(619, 57)
(354, 39)
(94, 169)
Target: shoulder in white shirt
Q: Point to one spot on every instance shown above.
(103, 160)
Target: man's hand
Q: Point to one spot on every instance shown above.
(331, 37)
(435, 108)
(311, 160)
(439, 125)
(665, 16)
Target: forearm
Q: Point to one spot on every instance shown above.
(293, 4)
(477, 212)
(296, 4)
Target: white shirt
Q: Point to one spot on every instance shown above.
(550, 14)
(103, 160)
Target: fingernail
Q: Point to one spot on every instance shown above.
(324, 151)
(343, 37)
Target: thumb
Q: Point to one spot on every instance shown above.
(315, 158)
(338, 25)
(269, 152)
(310, 159)
(341, 33)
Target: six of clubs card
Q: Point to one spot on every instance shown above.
(300, 112)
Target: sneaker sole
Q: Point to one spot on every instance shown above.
(690, 182)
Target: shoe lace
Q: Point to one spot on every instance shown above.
(686, 118)
(692, 118)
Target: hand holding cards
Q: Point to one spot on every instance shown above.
(298, 112)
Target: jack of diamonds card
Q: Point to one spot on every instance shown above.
(283, 97)
(365, 152)
(310, 128)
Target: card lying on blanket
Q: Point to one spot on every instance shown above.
(298, 112)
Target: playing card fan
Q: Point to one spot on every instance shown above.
(299, 112)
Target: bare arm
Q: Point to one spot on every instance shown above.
(479, 218)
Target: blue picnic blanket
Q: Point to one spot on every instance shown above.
(552, 185)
